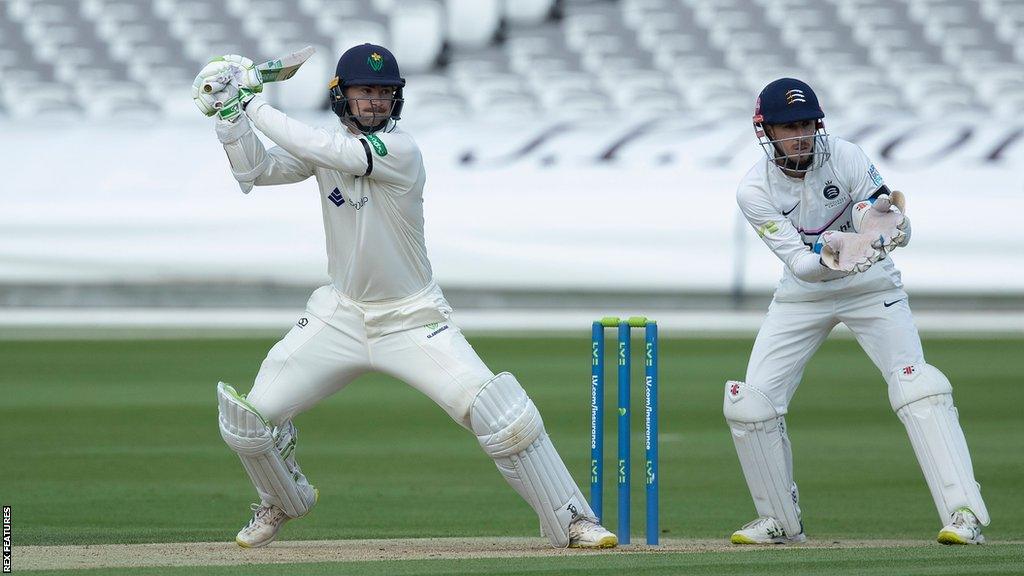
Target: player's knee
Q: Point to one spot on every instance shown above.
(746, 403)
(914, 382)
(274, 413)
(457, 399)
(504, 418)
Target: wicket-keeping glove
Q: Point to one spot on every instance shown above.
(883, 218)
(848, 252)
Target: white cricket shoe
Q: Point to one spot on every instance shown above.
(765, 530)
(588, 533)
(963, 528)
(267, 520)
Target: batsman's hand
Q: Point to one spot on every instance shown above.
(849, 252)
(224, 85)
(883, 219)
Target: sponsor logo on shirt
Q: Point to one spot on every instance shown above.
(339, 199)
(378, 145)
(875, 176)
(767, 228)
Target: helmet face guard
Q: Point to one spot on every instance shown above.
(775, 150)
(378, 122)
(367, 65)
(787, 101)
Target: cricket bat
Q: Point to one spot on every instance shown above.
(271, 71)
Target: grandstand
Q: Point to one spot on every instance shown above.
(927, 58)
(558, 120)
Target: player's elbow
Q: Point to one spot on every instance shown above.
(250, 176)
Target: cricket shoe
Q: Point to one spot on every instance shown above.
(588, 533)
(963, 528)
(266, 522)
(765, 530)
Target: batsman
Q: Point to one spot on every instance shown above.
(381, 312)
(823, 208)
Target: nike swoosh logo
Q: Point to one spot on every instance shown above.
(787, 213)
(887, 304)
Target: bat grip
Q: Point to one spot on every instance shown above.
(213, 86)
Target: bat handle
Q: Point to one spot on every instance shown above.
(213, 86)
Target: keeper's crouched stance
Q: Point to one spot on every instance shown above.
(382, 312)
(822, 207)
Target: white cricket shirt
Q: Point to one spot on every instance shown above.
(790, 213)
(371, 190)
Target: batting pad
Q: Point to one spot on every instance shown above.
(766, 457)
(922, 397)
(250, 436)
(509, 427)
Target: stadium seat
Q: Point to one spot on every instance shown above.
(417, 34)
(472, 24)
(526, 12)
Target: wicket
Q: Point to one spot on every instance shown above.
(650, 421)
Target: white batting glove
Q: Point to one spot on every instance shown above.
(238, 70)
(849, 252)
(883, 218)
(221, 80)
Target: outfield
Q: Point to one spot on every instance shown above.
(116, 442)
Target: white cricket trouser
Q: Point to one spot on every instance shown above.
(338, 339)
(793, 331)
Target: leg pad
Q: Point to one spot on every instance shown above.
(266, 453)
(509, 428)
(759, 434)
(922, 397)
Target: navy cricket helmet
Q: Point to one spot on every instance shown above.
(784, 101)
(366, 65)
(787, 100)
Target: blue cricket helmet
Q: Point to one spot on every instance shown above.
(787, 100)
(366, 65)
(790, 100)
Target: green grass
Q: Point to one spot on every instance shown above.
(117, 441)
